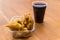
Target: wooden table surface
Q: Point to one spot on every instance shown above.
(49, 30)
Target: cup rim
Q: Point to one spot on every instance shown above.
(39, 2)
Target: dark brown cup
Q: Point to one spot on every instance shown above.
(39, 8)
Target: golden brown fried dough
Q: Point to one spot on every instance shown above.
(15, 26)
(22, 24)
(18, 20)
(12, 26)
(30, 26)
(28, 21)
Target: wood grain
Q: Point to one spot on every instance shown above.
(49, 30)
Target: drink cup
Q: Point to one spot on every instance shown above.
(39, 8)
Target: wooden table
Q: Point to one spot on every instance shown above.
(49, 30)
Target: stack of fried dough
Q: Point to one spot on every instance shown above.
(22, 24)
